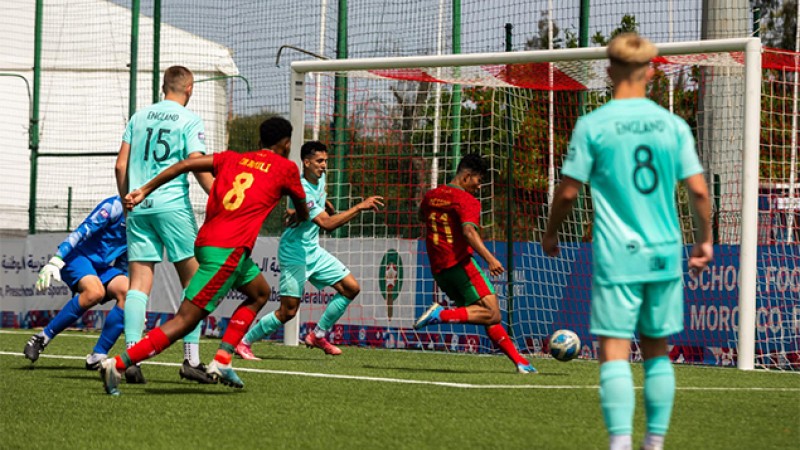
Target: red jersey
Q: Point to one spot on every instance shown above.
(445, 211)
(247, 186)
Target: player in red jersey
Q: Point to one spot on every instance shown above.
(247, 186)
(452, 222)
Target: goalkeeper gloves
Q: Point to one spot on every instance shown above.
(51, 270)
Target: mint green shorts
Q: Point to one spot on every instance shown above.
(654, 309)
(149, 234)
(324, 271)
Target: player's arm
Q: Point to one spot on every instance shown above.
(121, 169)
(330, 223)
(203, 163)
(474, 240)
(690, 171)
(106, 213)
(329, 208)
(700, 200)
(204, 178)
(564, 197)
(301, 211)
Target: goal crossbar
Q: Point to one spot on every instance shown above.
(531, 56)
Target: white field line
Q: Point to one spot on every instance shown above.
(424, 382)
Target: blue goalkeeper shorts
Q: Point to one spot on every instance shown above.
(78, 266)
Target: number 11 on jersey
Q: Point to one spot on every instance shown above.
(445, 222)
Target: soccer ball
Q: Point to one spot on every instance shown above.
(565, 345)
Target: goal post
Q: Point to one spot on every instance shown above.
(373, 116)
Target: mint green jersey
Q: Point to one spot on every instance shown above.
(632, 153)
(160, 136)
(299, 244)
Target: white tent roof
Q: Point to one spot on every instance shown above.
(85, 35)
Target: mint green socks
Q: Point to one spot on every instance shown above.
(135, 311)
(265, 327)
(617, 399)
(335, 310)
(194, 336)
(659, 393)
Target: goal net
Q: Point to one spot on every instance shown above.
(397, 127)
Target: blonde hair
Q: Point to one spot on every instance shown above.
(630, 55)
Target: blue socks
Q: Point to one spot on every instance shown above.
(334, 311)
(135, 312)
(113, 327)
(659, 393)
(617, 399)
(265, 327)
(66, 317)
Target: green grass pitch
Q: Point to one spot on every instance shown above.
(368, 399)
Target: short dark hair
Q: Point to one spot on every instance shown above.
(474, 163)
(273, 130)
(309, 148)
(176, 78)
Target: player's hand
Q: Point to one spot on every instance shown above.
(495, 267)
(133, 198)
(550, 245)
(290, 218)
(50, 270)
(374, 203)
(700, 256)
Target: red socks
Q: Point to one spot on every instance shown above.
(501, 339)
(154, 343)
(240, 322)
(454, 315)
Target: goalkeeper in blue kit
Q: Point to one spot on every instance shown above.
(93, 262)
(633, 153)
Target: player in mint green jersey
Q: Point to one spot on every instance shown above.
(157, 137)
(302, 259)
(633, 152)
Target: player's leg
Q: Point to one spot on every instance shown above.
(191, 342)
(661, 316)
(268, 325)
(116, 288)
(145, 249)
(135, 307)
(156, 341)
(82, 278)
(178, 230)
(327, 270)
(292, 281)
(464, 284)
(489, 310)
(615, 309)
(254, 286)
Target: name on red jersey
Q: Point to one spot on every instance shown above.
(439, 202)
(258, 165)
